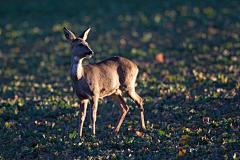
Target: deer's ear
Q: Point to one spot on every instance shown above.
(85, 34)
(69, 35)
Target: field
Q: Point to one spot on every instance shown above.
(188, 54)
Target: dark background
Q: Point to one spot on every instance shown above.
(188, 56)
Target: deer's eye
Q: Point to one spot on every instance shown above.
(80, 45)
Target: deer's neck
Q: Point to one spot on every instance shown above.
(76, 68)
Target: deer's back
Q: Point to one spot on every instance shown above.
(117, 62)
(111, 74)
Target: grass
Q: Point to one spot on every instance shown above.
(188, 56)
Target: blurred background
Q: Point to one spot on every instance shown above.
(168, 40)
(188, 53)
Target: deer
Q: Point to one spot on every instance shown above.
(113, 76)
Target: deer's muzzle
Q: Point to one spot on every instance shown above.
(90, 54)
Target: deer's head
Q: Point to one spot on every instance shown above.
(79, 45)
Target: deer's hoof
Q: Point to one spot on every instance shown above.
(114, 134)
(143, 129)
(93, 136)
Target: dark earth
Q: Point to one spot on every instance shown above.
(188, 54)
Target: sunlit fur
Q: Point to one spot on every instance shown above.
(112, 76)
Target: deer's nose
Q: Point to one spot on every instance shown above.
(90, 53)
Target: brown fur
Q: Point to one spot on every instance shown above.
(109, 77)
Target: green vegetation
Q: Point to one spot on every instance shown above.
(189, 60)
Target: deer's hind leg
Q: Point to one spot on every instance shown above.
(138, 100)
(123, 112)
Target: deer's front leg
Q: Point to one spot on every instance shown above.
(94, 105)
(82, 115)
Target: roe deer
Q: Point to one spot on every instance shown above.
(112, 76)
